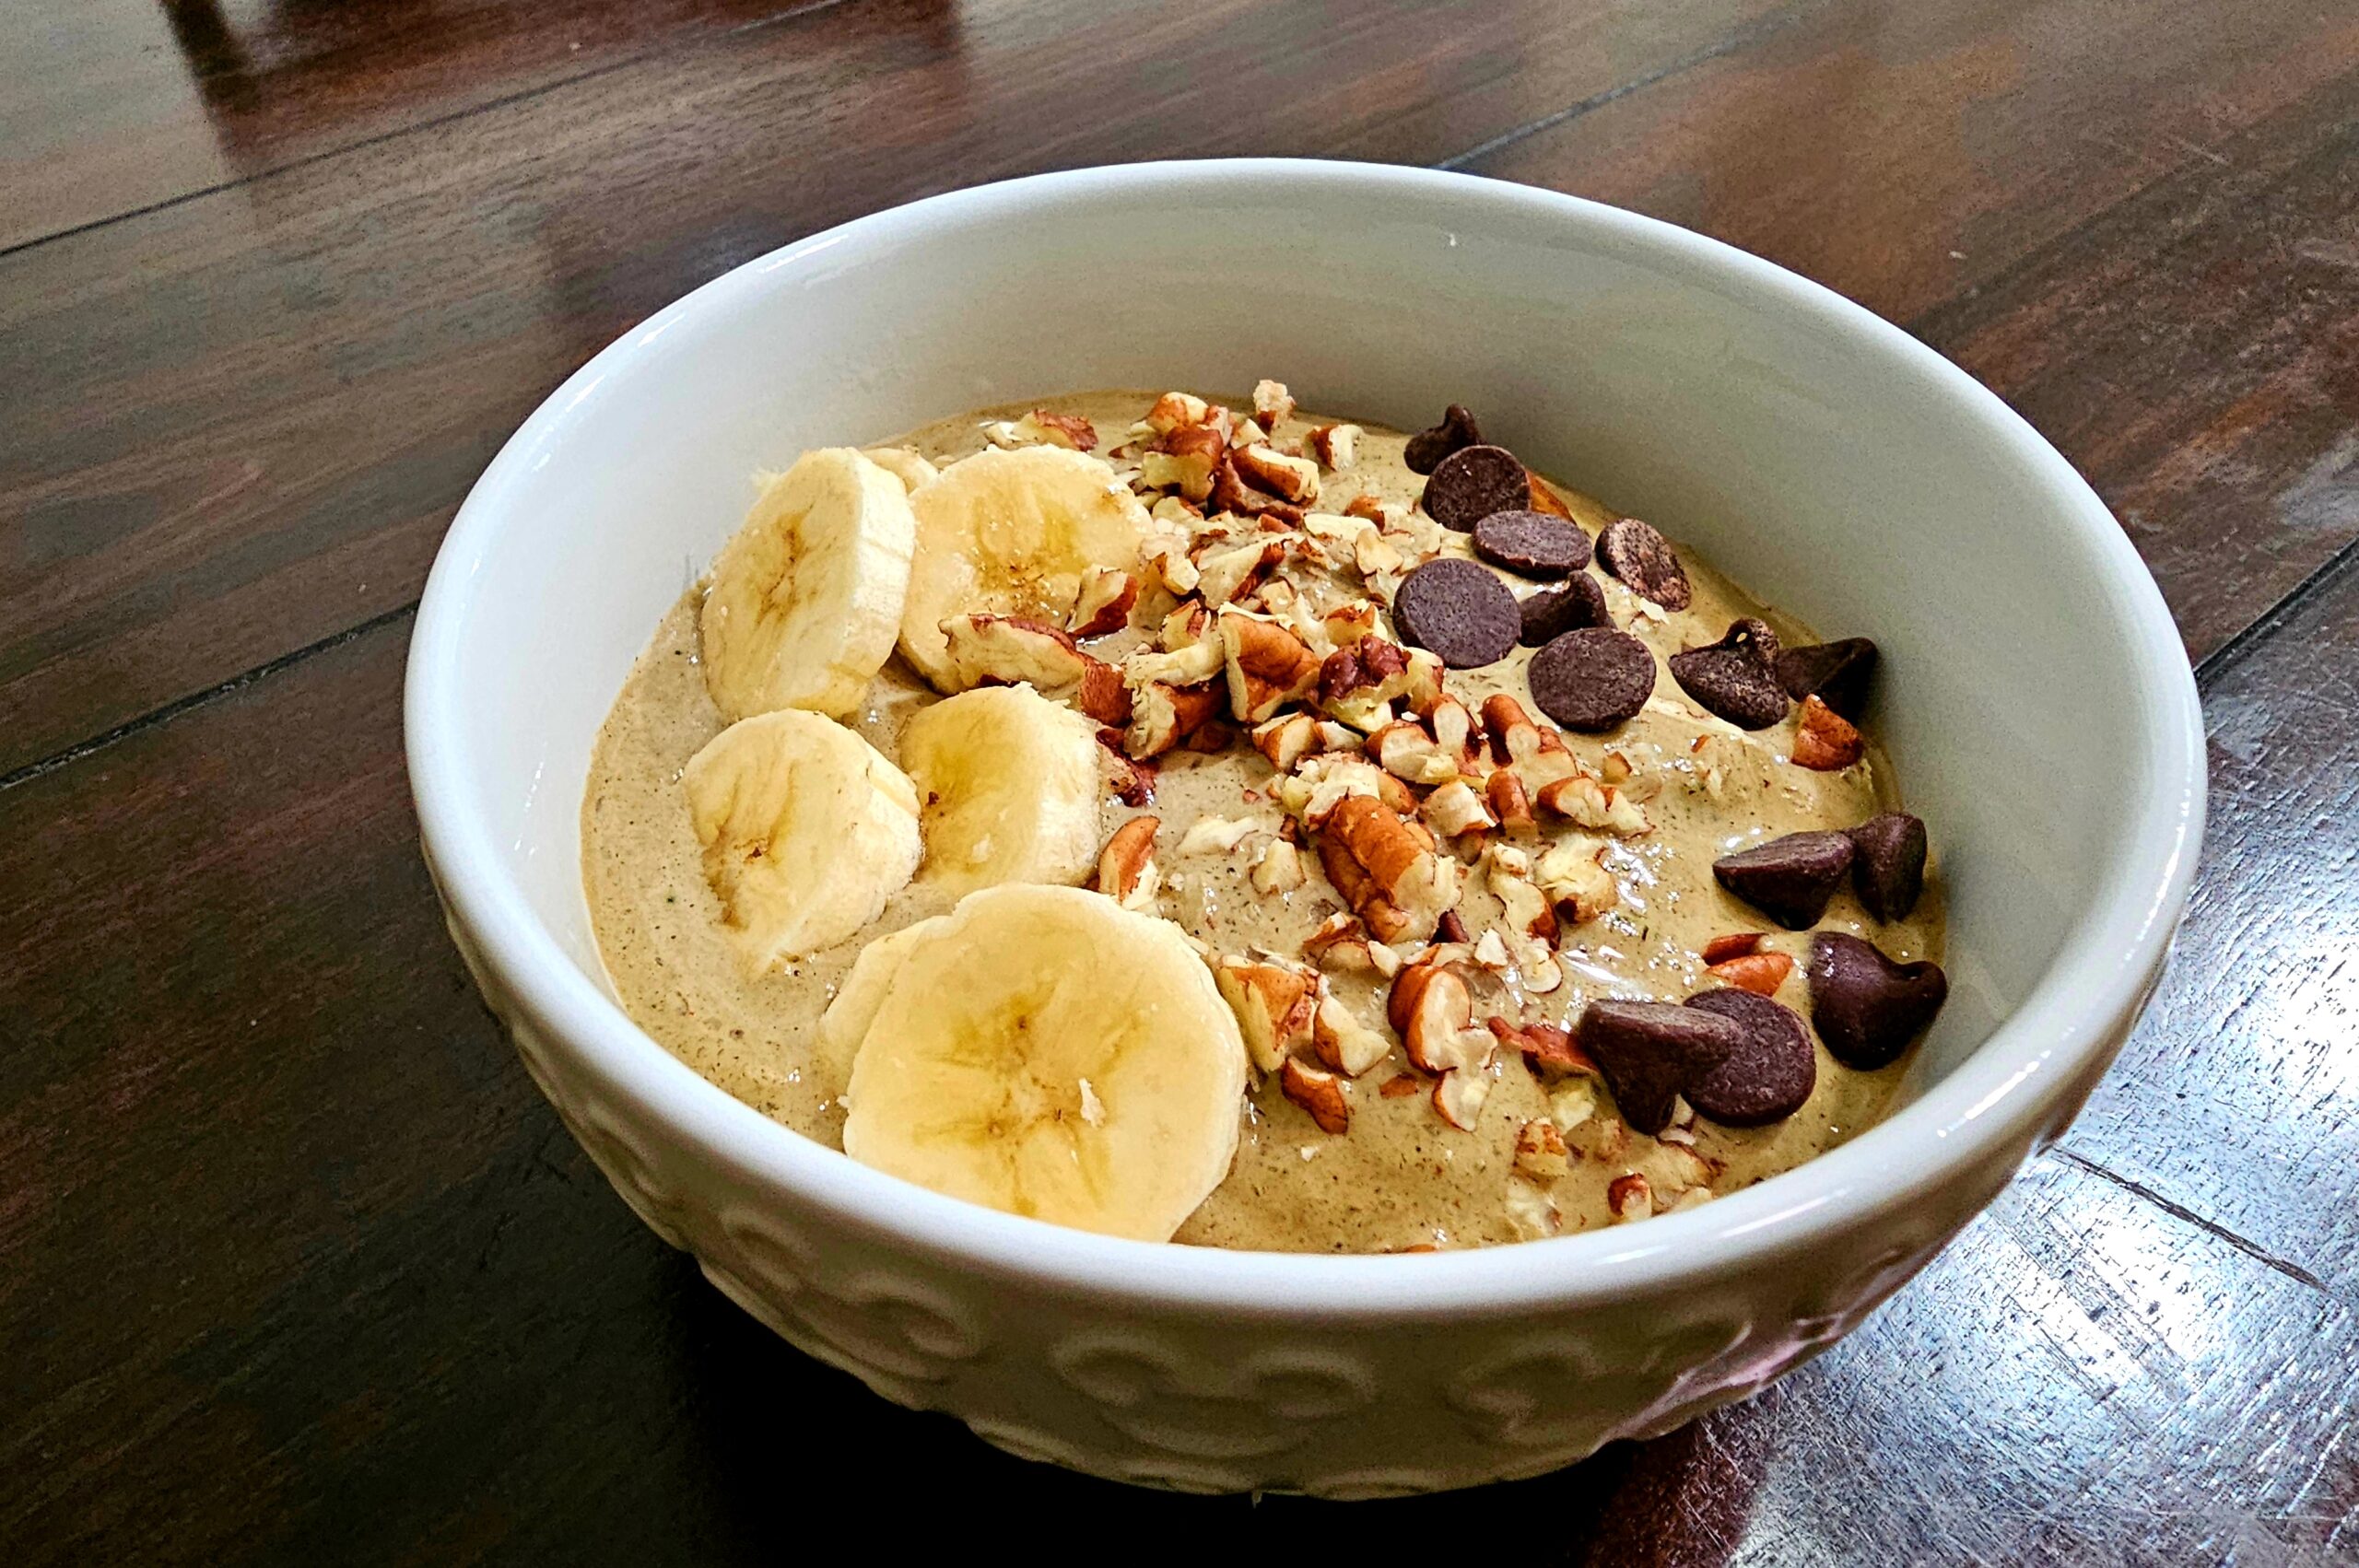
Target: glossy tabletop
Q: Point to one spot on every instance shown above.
(295, 1263)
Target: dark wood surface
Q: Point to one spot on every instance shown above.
(295, 1264)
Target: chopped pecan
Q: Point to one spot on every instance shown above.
(1547, 1049)
(1510, 802)
(1005, 649)
(1287, 740)
(1268, 666)
(1536, 752)
(1577, 883)
(1405, 871)
(1630, 1197)
(1126, 867)
(1732, 944)
(1760, 973)
(1278, 868)
(1069, 431)
(1107, 599)
(1293, 479)
(1319, 1093)
(1825, 742)
(1337, 446)
(1343, 1042)
(1431, 1010)
(1174, 409)
(1540, 1152)
(1104, 695)
(1232, 572)
(1164, 716)
(1456, 809)
(1273, 1003)
(1585, 802)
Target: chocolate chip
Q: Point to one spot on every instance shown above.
(1643, 559)
(1888, 871)
(1737, 676)
(1834, 672)
(1789, 879)
(1651, 1051)
(1428, 448)
(1868, 1008)
(1592, 679)
(1770, 1079)
(1552, 612)
(1459, 610)
(1470, 484)
(1532, 543)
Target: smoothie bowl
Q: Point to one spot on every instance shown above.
(1222, 842)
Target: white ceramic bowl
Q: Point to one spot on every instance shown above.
(2034, 691)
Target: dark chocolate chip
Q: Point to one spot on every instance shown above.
(1643, 559)
(1868, 1008)
(1888, 871)
(1592, 679)
(1834, 672)
(1531, 544)
(1737, 676)
(1789, 879)
(1651, 1051)
(1770, 1079)
(1470, 484)
(1460, 610)
(1552, 612)
(1456, 432)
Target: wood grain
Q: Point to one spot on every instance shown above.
(2139, 223)
(295, 1264)
(301, 1268)
(2239, 1098)
(259, 408)
(112, 106)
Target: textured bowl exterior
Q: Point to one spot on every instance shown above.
(1347, 1378)
(1197, 1402)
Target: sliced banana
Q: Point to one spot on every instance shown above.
(1043, 1051)
(805, 602)
(807, 830)
(904, 463)
(1012, 534)
(846, 1022)
(1011, 783)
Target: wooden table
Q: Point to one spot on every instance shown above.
(295, 1264)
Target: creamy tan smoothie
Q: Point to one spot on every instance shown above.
(1587, 878)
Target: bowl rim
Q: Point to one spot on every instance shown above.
(1999, 1097)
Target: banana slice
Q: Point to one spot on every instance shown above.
(846, 1022)
(1012, 534)
(805, 600)
(807, 830)
(1043, 1051)
(904, 463)
(1011, 783)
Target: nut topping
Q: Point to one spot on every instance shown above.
(1825, 741)
(1343, 1042)
(1273, 1003)
(1002, 650)
(1126, 868)
(1319, 1093)
(1268, 666)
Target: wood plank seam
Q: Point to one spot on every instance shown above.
(505, 100)
(2185, 1215)
(1757, 31)
(2266, 625)
(156, 717)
